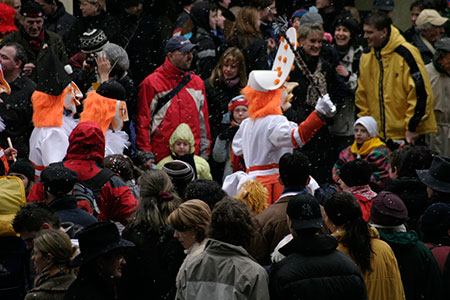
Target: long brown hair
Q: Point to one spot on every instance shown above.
(245, 27)
(236, 56)
(158, 200)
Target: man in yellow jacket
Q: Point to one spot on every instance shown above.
(393, 85)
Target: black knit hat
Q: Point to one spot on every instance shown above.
(32, 9)
(388, 210)
(179, 172)
(58, 180)
(23, 166)
(435, 221)
(93, 41)
(112, 89)
(355, 173)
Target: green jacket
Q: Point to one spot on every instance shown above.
(51, 41)
(420, 273)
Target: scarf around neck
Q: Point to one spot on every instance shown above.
(366, 147)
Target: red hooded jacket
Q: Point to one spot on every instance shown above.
(84, 155)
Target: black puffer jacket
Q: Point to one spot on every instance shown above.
(151, 271)
(314, 269)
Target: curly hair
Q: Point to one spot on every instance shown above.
(32, 215)
(204, 189)
(232, 223)
(158, 200)
(192, 215)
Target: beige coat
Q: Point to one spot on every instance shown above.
(440, 83)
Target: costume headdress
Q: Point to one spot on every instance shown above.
(263, 90)
(54, 92)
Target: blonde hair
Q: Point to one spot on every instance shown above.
(306, 29)
(57, 243)
(158, 200)
(192, 215)
(235, 55)
(101, 3)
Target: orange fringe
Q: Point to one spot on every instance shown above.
(48, 109)
(98, 109)
(261, 104)
(254, 194)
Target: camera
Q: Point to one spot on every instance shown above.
(91, 60)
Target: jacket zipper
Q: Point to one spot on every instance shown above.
(380, 93)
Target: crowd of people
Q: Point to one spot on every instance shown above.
(212, 149)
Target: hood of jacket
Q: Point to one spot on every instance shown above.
(200, 15)
(397, 238)
(217, 246)
(311, 245)
(182, 132)
(395, 40)
(86, 142)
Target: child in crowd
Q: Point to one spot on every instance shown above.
(369, 147)
(354, 178)
(222, 152)
(182, 148)
(124, 167)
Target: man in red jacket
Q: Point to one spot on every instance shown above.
(155, 121)
(84, 156)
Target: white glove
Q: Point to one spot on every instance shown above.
(325, 106)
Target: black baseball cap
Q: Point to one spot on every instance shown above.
(179, 43)
(304, 212)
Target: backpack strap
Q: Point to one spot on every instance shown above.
(167, 97)
(421, 93)
(97, 182)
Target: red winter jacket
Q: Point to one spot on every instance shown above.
(188, 106)
(84, 155)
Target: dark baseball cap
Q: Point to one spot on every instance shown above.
(179, 43)
(304, 212)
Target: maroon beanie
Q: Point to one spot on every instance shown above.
(388, 210)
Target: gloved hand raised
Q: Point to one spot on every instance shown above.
(325, 106)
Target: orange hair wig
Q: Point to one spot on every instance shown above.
(98, 109)
(48, 109)
(261, 104)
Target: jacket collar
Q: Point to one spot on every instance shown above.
(310, 245)
(64, 202)
(171, 71)
(395, 39)
(216, 246)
